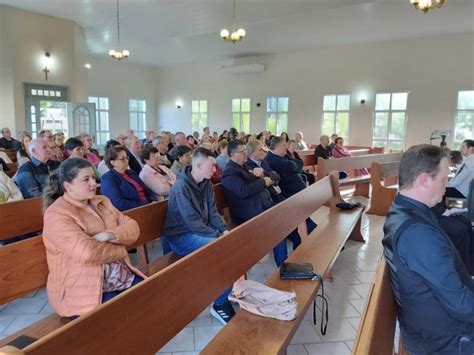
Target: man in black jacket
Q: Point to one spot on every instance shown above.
(133, 150)
(323, 150)
(431, 285)
(7, 141)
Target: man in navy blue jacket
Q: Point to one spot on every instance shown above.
(192, 219)
(290, 171)
(431, 285)
(247, 192)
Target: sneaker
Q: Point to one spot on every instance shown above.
(223, 313)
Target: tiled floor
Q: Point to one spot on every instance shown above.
(353, 272)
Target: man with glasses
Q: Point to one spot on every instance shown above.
(247, 191)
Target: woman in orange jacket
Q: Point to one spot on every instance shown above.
(85, 239)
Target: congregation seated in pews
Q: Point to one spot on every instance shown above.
(260, 178)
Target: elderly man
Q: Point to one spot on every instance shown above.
(458, 187)
(7, 141)
(323, 150)
(160, 143)
(431, 285)
(133, 149)
(149, 137)
(32, 175)
(192, 220)
(121, 138)
(180, 139)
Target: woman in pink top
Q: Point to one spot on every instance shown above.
(340, 151)
(156, 176)
(90, 153)
(85, 239)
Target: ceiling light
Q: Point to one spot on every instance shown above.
(426, 5)
(118, 53)
(87, 66)
(234, 35)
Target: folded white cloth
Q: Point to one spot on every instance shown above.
(265, 301)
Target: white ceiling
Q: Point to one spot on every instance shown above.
(163, 32)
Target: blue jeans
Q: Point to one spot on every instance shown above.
(188, 243)
(280, 252)
(107, 296)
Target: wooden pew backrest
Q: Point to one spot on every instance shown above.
(376, 331)
(21, 217)
(200, 277)
(382, 196)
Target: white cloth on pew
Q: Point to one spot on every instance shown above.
(264, 301)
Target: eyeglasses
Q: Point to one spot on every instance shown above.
(241, 151)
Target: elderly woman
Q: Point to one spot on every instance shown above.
(120, 184)
(342, 152)
(9, 192)
(85, 239)
(156, 176)
(90, 153)
(184, 157)
(300, 142)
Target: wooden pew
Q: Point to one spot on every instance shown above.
(11, 154)
(23, 266)
(189, 285)
(21, 217)
(346, 164)
(382, 196)
(11, 173)
(376, 332)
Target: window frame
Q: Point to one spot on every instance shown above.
(241, 113)
(140, 132)
(277, 113)
(390, 112)
(336, 113)
(98, 125)
(455, 143)
(199, 113)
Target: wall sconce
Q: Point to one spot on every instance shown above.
(179, 104)
(362, 101)
(47, 61)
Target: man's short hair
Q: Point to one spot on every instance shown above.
(34, 144)
(4, 129)
(469, 143)
(419, 159)
(322, 137)
(72, 143)
(129, 139)
(275, 141)
(201, 153)
(233, 146)
(252, 146)
(182, 150)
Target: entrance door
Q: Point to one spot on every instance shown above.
(81, 117)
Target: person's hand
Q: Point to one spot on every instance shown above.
(258, 172)
(268, 181)
(104, 237)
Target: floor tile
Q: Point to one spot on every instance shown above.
(359, 305)
(305, 334)
(23, 321)
(354, 322)
(296, 350)
(183, 341)
(5, 321)
(24, 306)
(339, 348)
(204, 334)
(338, 330)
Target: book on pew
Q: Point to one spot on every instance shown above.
(22, 341)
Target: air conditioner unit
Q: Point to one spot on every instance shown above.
(243, 69)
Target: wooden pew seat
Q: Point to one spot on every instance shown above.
(247, 333)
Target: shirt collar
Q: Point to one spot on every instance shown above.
(36, 162)
(259, 163)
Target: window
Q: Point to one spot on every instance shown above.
(241, 114)
(277, 115)
(137, 110)
(336, 115)
(389, 123)
(464, 122)
(199, 115)
(101, 118)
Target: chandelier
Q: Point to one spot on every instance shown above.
(234, 35)
(425, 5)
(118, 53)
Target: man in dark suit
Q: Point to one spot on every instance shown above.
(7, 141)
(133, 150)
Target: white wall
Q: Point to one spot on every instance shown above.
(433, 70)
(120, 81)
